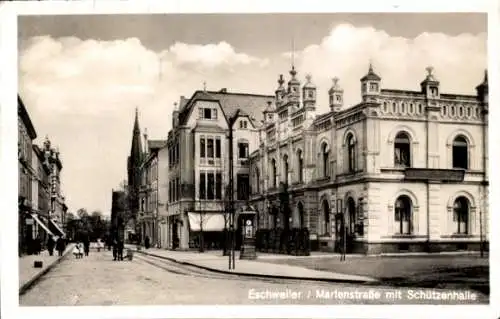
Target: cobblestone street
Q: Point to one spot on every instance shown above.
(97, 280)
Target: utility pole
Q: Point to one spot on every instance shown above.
(231, 122)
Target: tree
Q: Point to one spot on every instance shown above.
(82, 212)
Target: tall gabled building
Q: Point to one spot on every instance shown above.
(198, 166)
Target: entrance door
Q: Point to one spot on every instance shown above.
(351, 224)
(175, 235)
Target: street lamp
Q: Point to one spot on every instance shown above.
(231, 121)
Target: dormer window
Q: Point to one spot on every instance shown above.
(270, 116)
(294, 89)
(310, 94)
(434, 91)
(339, 98)
(208, 113)
(243, 124)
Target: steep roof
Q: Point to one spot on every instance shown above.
(250, 104)
(23, 113)
(156, 144)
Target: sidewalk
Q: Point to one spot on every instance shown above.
(28, 274)
(214, 261)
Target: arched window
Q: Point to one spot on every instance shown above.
(300, 166)
(325, 221)
(351, 151)
(325, 156)
(351, 209)
(403, 215)
(273, 172)
(460, 153)
(461, 215)
(285, 169)
(402, 150)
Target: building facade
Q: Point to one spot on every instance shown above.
(41, 206)
(27, 173)
(41, 191)
(58, 208)
(399, 171)
(153, 179)
(198, 164)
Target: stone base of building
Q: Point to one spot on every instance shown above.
(402, 247)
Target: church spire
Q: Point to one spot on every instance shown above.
(136, 148)
(136, 121)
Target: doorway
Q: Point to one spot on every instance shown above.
(175, 234)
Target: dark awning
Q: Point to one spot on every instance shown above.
(35, 217)
(56, 229)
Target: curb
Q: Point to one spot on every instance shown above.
(25, 287)
(319, 279)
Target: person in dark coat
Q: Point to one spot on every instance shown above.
(115, 249)
(121, 246)
(146, 242)
(50, 245)
(60, 245)
(86, 246)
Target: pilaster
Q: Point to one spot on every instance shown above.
(374, 213)
(435, 221)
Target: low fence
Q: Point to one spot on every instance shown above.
(294, 241)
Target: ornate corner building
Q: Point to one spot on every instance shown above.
(399, 171)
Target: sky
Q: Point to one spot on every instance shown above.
(82, 76)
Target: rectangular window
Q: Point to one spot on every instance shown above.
(203, 192)
(177, 152)
(242, 150)
(170, 191)
(218, 186)
(174, 191)
(217, 147)
(174, 155)
(207, 114)
(210, 147)
(179, 188)
(243, 186)
(202, 147)
(210, 186)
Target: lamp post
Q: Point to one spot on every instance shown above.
(231, 122)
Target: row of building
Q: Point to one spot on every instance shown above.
(402, 170)
(41, 205)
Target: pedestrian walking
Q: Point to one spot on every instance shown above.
(115, 249)
(86, 246)
(38, 245)
(146, 242)
(121, 246)
(60, 246)
(50, 245)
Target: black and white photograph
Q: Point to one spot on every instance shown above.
(178, 159)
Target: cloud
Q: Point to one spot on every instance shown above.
(83, 93)
(458, 61)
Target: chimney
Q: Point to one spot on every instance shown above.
(223, 90)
